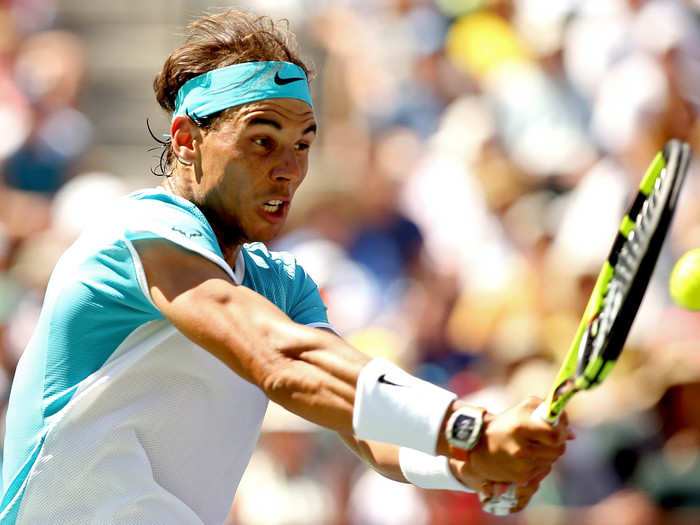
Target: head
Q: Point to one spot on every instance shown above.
(239, 138)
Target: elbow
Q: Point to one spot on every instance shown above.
(273, 383)
(306, 395)
(282, 385)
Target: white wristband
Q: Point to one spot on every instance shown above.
(428, 472)
(395, 407)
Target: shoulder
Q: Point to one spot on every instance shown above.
(158, 200)
(262, 258)
(279, 277)
(157, 213)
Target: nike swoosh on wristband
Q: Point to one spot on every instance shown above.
(282, 81)
(382, 379)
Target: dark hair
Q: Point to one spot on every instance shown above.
(230, 37)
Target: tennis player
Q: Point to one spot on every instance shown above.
(168, 325)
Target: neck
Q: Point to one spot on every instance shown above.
(230, 240)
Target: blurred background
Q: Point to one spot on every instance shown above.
(474, 160)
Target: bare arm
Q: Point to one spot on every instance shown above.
(384, 458)
(311, 372)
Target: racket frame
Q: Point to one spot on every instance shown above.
(670, 163)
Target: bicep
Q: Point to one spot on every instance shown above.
(172, 270)
(198, 297)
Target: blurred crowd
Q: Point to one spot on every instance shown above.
(474, 160)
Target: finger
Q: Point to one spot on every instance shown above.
(547, 454)
(537, 453)
(526, 473)
(538, 472)
(539, 477)
(488, 488)
(522, 503)
(564, 424)
(486, 491)
(564, 419)
(534, 482)
(524, 493)
(565, 433)
(500, 488)
(543, 433)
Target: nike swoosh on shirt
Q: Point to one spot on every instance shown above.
(282, 81)
(382, 379)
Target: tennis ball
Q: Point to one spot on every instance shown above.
(685, 281)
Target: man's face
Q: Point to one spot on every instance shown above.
(252, 164)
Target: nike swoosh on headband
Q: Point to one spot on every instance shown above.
(283, 81)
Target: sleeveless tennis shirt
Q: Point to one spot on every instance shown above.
(116, 417)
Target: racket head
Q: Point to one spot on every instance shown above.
(623, 279)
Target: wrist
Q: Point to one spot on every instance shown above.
(482, 456)
(433, 472)
(395, 407)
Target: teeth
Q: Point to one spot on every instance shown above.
(273, 205)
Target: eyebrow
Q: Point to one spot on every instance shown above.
(269, 122)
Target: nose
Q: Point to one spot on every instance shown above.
(289, 167)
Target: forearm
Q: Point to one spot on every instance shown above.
(316, 375)
(382, 457)
(409, 466)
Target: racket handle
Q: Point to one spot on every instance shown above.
(501, 505)
(540, 413)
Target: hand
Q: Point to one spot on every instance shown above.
(465, 474)
(515, 447)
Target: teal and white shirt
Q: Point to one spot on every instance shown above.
(116, 417)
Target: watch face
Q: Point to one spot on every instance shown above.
(463, 427)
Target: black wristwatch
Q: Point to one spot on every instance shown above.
(464, 427)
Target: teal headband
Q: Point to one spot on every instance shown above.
(238, 84)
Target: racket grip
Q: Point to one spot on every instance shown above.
(501, 505)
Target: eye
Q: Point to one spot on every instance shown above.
(264, 142)
(302, 146)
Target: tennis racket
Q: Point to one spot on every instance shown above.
(617, 293)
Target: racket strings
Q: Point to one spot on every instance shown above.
(628, 262)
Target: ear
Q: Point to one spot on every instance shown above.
(184, 139)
